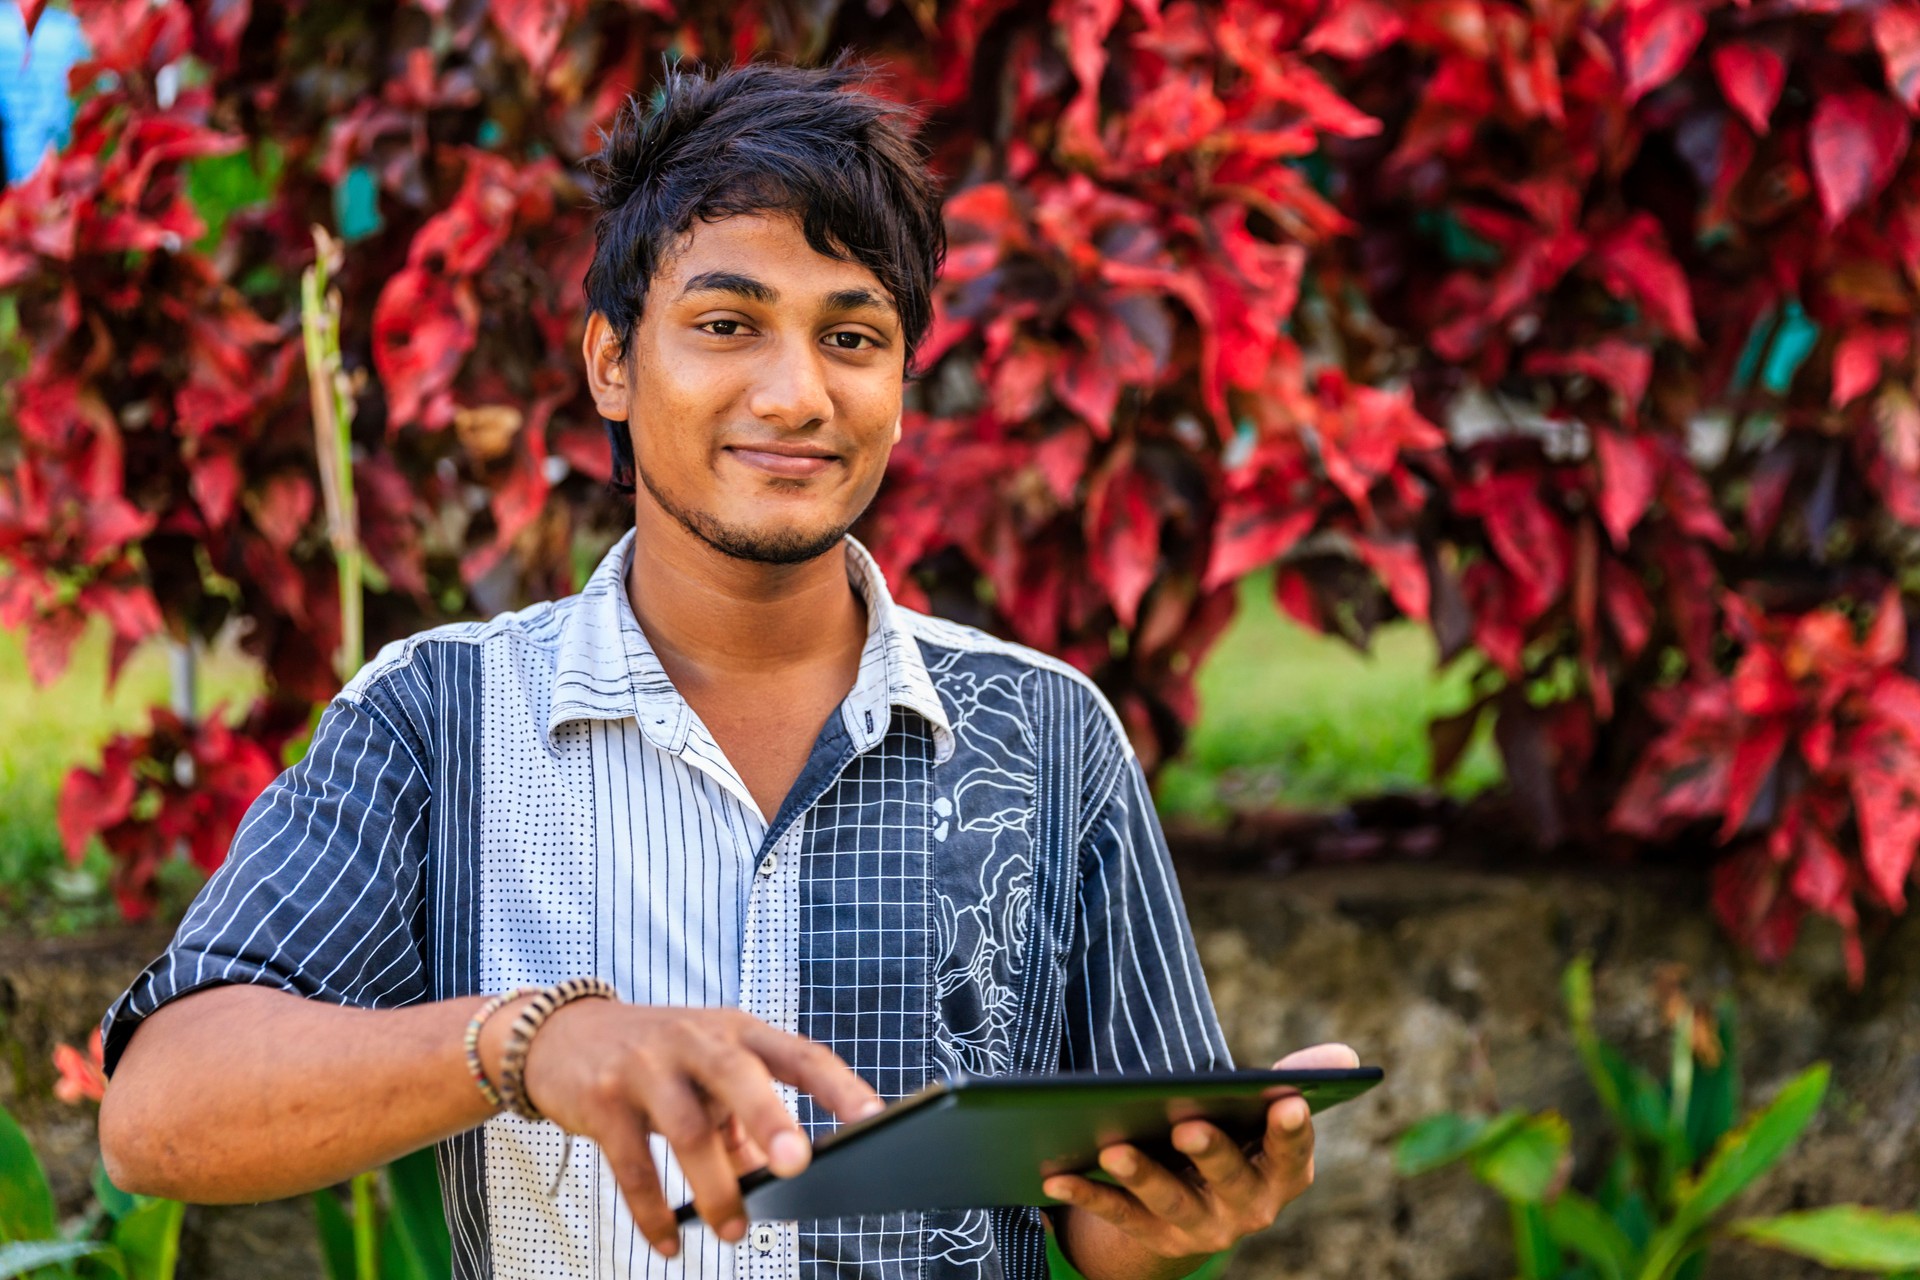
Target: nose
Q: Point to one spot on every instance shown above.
(790, 390)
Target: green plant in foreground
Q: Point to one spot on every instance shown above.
(1678, 1160)
(123, 1236)
(403, 1239)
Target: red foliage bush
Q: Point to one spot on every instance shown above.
(1582, 332)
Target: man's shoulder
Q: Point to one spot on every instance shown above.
(422, 656)
(955, 653)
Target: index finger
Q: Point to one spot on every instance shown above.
(815, 1069)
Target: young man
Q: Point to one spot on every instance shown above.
(824, 849)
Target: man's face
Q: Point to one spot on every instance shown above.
(762, 389)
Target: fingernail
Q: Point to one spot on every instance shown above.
(1058, 1188)
(667, 1246)
(788, 1155)
(1191, 1141)
(871, 1107)
(1121, 1164)
(733, 1229)
(1293, 1115)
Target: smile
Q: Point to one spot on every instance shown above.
(790, 465)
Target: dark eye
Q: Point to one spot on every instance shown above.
(722, 328)
(848, 341)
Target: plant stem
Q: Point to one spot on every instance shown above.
(332, 398)
(366, 1256)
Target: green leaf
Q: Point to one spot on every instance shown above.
(1742, 1156)
(1437, 1141)
(422, 1220)
(26, 1202)
(1847, 1236)
(1581, 1226)
(150, 1238)
(116, 1202)
(1529, 1161)
(336, 1235)
(1716, 1090)
(1534, 1251)
(24, 1257)
(397, 1259)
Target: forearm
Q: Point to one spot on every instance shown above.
(245, 1093)
(1099, 1250)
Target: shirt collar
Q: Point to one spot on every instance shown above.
(605, 668)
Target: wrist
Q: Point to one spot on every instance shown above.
(493, 1037)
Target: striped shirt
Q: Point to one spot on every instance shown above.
(968, 875)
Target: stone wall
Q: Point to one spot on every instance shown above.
(1447, 978)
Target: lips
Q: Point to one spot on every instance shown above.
(791, 464)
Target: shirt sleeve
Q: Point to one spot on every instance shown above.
(1136, 999)
(322, 891)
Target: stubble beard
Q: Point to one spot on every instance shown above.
(782, 546)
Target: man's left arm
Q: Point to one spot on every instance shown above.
(1137, 1001)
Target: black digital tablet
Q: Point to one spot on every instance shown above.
(972, 1143)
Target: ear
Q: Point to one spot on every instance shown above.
(896, 427)
(606, 372)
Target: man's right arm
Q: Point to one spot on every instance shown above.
(287, 1040)
(245, 1093)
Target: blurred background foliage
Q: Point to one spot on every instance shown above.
(1567, 345)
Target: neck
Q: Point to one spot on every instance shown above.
(711, 617)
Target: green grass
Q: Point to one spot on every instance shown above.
(1292, 719)
(44, 733)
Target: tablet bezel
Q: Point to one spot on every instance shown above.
(968, 1092)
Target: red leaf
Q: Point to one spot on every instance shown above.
(1399, 565)
(1087, 384)
(1534, 546)
(30, 11)
(1634, 264)
(1753, 762)
(421, 335)
(1629, 473)
(214, 478)
(1249, 535)
(131, 610)
(1856, 365)
(1750, 76)
(50, 641)
(1123, 539)
(91, 802)
(1355, 29)
(1747, 898)
(1857, 141)
(1627, 607)
(1659, 39)
(534, 26)
(1623, 366)
(1896, 29)
(281, 508)
(1884, 771)
(1684, 775)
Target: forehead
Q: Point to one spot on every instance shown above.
(771, 247)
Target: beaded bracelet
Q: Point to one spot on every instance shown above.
(513, 1058)
(472, 1041)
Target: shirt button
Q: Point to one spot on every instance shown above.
(763, 1237)
(768, 863)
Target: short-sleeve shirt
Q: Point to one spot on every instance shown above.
(968, 875)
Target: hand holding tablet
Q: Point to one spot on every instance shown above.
(970, 1143)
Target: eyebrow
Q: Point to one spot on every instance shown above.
(745, 286)
(732, 282)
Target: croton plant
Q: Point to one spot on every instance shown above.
(1579, 331)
